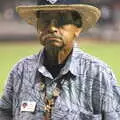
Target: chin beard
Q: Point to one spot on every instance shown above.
(53, 47)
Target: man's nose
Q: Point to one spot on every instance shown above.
(53, 26)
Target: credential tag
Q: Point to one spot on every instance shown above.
(28, 106)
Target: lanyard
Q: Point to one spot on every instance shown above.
(50, 102)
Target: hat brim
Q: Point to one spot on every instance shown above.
(89, 14)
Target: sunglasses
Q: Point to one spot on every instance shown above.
(59, 19)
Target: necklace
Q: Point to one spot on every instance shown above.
(49, 103)
(50, 100)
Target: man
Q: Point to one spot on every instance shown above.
(61, 82)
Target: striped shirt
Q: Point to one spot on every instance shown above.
(88, 90)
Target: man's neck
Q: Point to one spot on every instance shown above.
(56, 56)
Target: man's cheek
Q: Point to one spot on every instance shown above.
(42, 41)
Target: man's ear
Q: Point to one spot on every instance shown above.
(78, 31)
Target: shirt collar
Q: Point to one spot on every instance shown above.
(72, 64)
(41, 67)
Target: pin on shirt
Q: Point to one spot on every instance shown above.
(56, 92)
(42, 86)
(28, 106)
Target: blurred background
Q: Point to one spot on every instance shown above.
(18, 39)
(108, 28)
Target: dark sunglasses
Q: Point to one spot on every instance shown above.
(59, 19)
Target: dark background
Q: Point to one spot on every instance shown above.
(12, 27)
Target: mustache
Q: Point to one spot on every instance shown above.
(51, 36)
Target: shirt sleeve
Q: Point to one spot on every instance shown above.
(111, 97)
(6, 100)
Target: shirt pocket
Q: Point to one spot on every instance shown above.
(64, 114)
(88, 116)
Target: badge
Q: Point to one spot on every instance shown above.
(52, 1)
(28, 106)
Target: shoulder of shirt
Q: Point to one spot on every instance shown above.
(28, 60)
(93, 65)
(91, 60)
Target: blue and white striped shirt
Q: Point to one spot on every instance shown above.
(88, 92)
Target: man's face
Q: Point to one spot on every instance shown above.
(56, 29)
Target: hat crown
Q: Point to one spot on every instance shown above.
(53, 2)
(47, 2)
